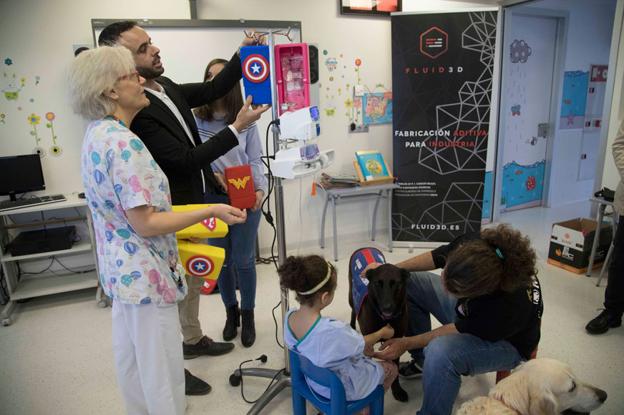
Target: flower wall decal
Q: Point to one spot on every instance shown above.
(55, 150)
(34, 120)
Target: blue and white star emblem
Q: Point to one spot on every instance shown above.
(199, 266)
(256, 68)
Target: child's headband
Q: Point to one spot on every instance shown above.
(320, 284)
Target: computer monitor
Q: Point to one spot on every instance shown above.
(21, 174)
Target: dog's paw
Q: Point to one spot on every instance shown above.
(399, 393)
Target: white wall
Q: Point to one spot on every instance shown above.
(351, 37)
(38, 37)
(447, 5)
(344, 38)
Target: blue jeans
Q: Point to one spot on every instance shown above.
(240, 262)
(447, 358)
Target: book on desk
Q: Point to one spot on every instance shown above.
(371, 168)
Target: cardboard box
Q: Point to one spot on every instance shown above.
(571, 243)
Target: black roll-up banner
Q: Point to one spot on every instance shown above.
(442, 68)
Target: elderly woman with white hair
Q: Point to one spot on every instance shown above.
(128, 195)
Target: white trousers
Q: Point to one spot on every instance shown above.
(148, 357)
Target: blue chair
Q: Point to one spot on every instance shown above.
(338, 404)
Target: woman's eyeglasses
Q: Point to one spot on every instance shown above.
(131, 76)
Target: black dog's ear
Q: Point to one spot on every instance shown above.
(405, 274)
(371, 274)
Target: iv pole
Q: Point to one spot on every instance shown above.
(280, 376)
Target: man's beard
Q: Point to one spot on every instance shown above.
(150, 73)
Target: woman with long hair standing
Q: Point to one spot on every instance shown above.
(239, 244)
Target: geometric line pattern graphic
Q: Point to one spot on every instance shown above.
(450, 216)
(472, 110)
(403, 225)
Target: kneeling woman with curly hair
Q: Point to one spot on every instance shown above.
(489, 302)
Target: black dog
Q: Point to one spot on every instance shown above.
(385, 303)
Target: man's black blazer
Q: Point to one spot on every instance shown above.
(168, 143)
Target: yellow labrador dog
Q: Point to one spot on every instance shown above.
(537, 387)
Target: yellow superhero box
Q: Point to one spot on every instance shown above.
(200, 260)
(208, 228)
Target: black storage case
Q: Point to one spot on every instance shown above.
(42, 240)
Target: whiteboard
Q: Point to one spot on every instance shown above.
(186, 46)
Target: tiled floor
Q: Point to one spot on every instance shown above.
(56, 358)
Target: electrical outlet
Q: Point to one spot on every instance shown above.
(353, 128)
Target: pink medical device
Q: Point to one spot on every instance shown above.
(292, 67)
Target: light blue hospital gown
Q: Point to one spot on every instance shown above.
(119, 173)
(334, 345)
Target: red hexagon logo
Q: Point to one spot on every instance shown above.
(434, 42)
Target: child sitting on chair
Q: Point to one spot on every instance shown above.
(326, 342)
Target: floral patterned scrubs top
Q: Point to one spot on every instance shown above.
(119, 173)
